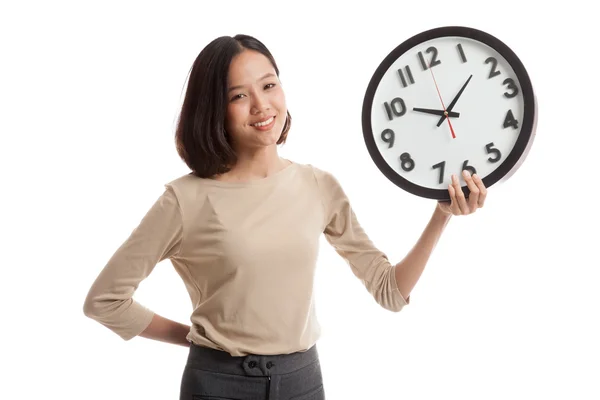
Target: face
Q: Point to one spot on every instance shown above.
(256, 109)
(441, 105)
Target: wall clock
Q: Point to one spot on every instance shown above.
(445, 100)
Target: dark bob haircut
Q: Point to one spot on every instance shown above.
(200, 138)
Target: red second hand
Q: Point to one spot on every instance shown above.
(442, 101)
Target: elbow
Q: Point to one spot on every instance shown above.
(99, 303)
(395, 307)
(93, 306)
(391, 300)
(90, 307)
(387, 293)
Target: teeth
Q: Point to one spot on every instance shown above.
(267, 122)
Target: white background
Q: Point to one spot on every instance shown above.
(89, 94)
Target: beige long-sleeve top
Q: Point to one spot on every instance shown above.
(247, 254)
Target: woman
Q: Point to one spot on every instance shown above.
(242, 231)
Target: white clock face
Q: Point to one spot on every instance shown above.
(470, 80)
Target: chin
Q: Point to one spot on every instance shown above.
(274, 133)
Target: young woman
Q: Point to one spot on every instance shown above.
(242, 231)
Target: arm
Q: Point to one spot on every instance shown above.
(165, 330)
(409, 270)
(110, 298)
(343, 231)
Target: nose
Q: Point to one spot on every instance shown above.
(259, 103)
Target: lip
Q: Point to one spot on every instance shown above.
(263, 120)
(266, 127)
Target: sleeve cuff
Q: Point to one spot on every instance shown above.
(138, 325)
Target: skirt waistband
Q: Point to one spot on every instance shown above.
(205, 358)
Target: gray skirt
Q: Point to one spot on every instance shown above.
(212, 374)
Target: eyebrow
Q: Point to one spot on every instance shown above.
(267, 75)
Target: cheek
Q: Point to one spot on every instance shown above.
(234, 114)
(278, 101)
(280, 98)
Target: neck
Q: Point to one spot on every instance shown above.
(255, 165)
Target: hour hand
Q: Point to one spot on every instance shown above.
(440, 113)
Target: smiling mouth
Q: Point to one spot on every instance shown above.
(263, 123)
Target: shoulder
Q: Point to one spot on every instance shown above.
(183, 187)
(327, 183)
(322, 176)
(182, 181)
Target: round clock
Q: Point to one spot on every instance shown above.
(446, 100)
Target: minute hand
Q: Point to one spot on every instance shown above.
(436, 112)
(454, 100)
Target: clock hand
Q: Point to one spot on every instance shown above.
(436, 112)
(442, 101)
(454, 100)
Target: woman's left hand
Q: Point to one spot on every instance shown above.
(458, 204)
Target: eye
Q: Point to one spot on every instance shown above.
(237, 96)
(269, 85)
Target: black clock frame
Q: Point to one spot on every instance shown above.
(522, 145)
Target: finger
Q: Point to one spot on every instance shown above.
(454, 209)
(460, 196)
(482, 190)
(473, 191)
